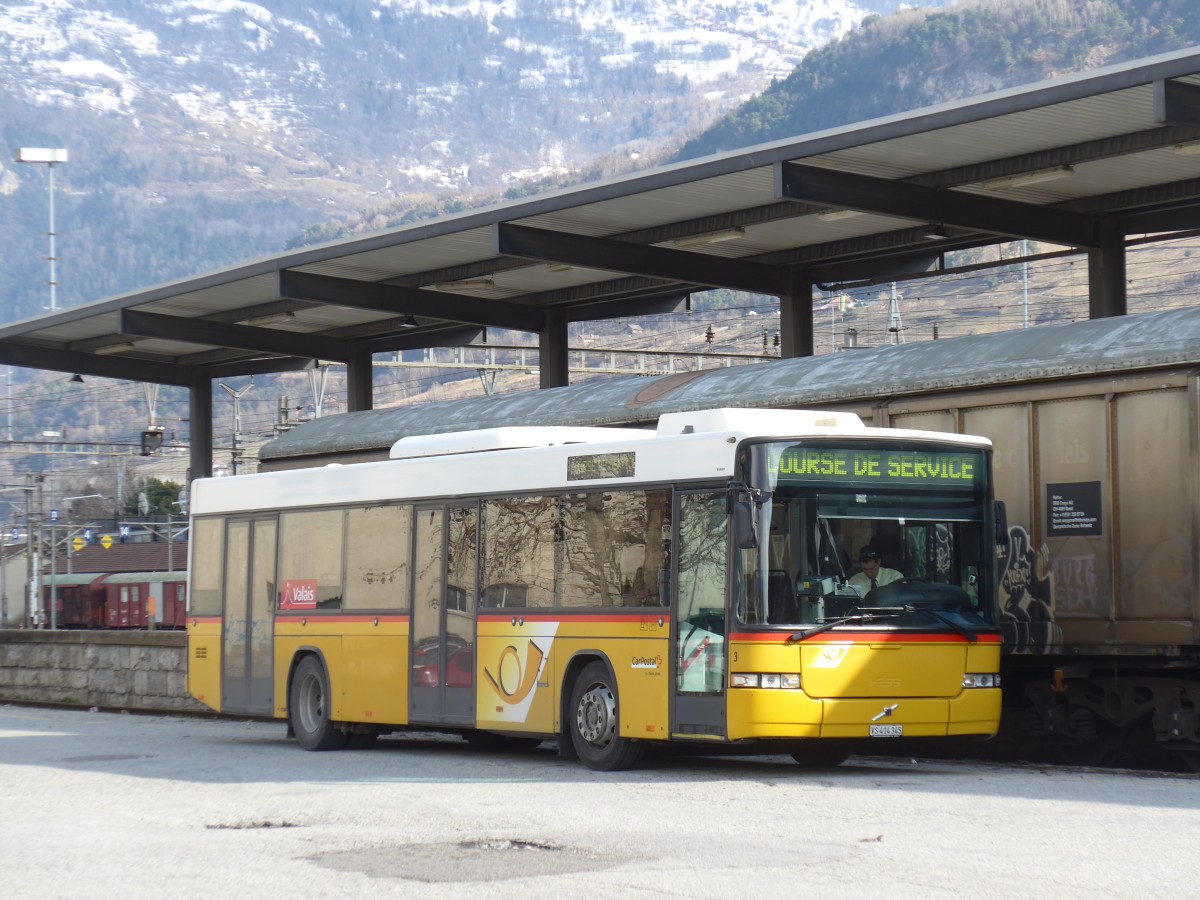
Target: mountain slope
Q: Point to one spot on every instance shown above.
(920, 58)
(206, 132)
(914, 59)
(223, 143)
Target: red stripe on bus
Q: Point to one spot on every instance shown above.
(620, 618)
(863, 637)
(336, 618)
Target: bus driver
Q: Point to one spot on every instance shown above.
(873, 574)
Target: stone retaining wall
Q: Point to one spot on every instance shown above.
(143, 670)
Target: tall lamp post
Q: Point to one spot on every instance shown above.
(49, 157)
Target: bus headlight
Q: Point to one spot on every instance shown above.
(787, 680)
(981, 681)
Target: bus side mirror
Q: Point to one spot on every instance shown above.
(743, 510)
(745, 536)
(1001, 524)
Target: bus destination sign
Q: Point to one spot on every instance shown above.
(894, 467)
(601, 465)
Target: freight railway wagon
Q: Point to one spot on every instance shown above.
(1096, 429)
(610, 588)
(134, 600)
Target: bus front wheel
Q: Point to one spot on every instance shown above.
(308, 708)
(594, 722)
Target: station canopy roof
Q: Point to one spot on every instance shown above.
(1067, 162)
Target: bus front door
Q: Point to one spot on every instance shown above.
(249, 622)
(698, 707)
(443, 615)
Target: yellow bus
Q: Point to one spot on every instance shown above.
(608, 588)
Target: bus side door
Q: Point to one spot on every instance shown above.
(445, 566)
(699, 615)
(249, 621)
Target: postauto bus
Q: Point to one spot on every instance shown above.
(610, 588)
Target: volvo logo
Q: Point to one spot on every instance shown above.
(887, 711)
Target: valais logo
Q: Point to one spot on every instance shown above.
(299, 594)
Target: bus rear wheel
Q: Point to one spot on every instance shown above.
(308, 708)
(594, 723)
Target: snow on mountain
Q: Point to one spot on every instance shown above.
(206, 132)
(582, 78)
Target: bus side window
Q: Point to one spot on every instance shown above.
(310, 556)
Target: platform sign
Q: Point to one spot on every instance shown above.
(78, 543)
(106, 541)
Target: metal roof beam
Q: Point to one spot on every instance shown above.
(959, 176)
(398, 299)
(221, 356)
(736, 218)
(910, 201)
(382, 328)
(626, 307)
(1176, 102)
(449, 336)
(1053, 157)
(278, 309)
(223, 334)
(886, 245)
(263, 366)
(879, 269)
(621, 256)
(124, 368)
(480, 268)
(1184, 218)
(596, 292)
(1130, 203)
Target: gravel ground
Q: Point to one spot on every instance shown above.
(96, 804)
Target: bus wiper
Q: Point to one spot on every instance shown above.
(863, 617)
(946, 620)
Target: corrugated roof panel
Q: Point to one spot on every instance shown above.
(1028, 131)
(78, 330)
(705, 197)
(212, 300)
(406, 258)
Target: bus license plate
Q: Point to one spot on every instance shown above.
(887, 731)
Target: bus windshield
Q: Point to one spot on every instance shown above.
(884, 534)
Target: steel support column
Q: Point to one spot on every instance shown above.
(796, 317)
(200, 411)
(1106, 274)
(359, 380)
(552, 350)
